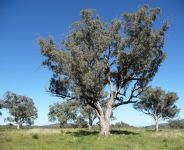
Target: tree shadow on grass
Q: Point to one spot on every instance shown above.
(82, 133)
(153, 130)
(123, 132)
(150, 130)
(113, 132)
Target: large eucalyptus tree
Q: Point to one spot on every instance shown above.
(109, 62)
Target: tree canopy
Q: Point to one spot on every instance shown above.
(1, 105)
(158, 104)
(72, 112)
(176, 124)
(110, 62)
(63, 112)
(21, 109)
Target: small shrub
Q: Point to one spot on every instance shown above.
(35, 136)
(165, 140)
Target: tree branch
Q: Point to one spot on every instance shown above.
(134, 89)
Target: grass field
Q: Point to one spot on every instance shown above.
(80, 139)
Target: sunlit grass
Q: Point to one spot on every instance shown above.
(81, 139)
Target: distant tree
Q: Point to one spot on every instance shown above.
(120, 58)
(86, 111)
(89, 114)
(21, 109)
(176, 124)
(81, 122)
(121, 125)
(72, 111)
(158, 104)
(1, 105)
(63, 112)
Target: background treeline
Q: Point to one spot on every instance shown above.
(176, 124)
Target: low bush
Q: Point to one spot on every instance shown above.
(35, 136)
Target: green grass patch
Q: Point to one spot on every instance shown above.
(81, 139)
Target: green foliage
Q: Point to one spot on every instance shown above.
(0, 107)
(157, 103)
(81, 122)
(71, 112)
(63, 112)
(176, 124)
(21, 108)
(88, 113)
(122, 56)
(120, 125)
(94, 49)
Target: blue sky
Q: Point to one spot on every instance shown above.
(21, 22)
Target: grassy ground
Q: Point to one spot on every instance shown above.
(76, 139)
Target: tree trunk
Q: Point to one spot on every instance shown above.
(104, 126)
(104, 117)
(89, 127)
(156, 124)
(90, 123)
(18, 125)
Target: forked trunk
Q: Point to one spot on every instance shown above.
(104, 117)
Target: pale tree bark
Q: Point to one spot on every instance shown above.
(105, 118)
(104, 115)
(19, 125)
(156, 124)
(104, 126)
(89, 127)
